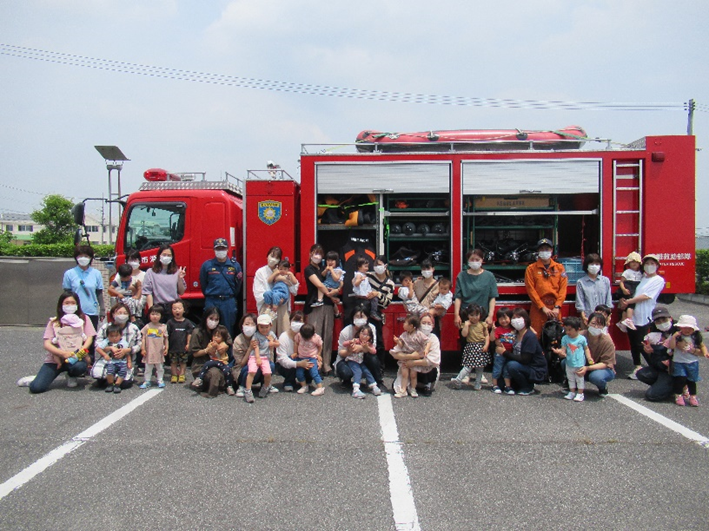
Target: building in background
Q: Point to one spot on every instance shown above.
(23, 228)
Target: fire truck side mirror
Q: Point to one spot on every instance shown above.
(78, 212)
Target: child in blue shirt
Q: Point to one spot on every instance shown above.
(574, 348)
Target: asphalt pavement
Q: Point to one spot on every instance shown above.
(473, 459)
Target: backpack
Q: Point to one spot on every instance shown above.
(552, 332)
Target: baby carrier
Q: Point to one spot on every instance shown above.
(552, 332)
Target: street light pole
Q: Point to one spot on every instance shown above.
(114, 159)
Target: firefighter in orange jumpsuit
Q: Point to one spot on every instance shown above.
(545, 281)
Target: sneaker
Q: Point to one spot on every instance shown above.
(466, 380)
(483, 380)
(693, 401)
(263, 392)
(319, 391)
(181, 378)
(273, 315)
(478, 386)
(496, 389)
(304, 389)
(629, 324)
(71, 381)
(400, 395)
(634, 375)
(679, 400)
(288, 388)
(240, 391)
(603, 392)
(526, 392)
(358, 394)
(456, 383)
(622, 327)
(579, 397)
(116, 390)
(685, 393)
(376, 391)
(272, 389)
(509, 391)
(249, 396)
(109, 389)
(25, 381)
(197, 384)
(317, 304)
(144, 385)
(570, 396)
(230, 390)
(413, 393)
(161, 384)
(173, 378)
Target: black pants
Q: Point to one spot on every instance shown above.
(660, 383)
(680, 381)
(635, 337)
(371, 361)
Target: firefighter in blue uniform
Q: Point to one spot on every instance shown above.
(220, 280)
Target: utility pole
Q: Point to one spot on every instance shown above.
(691, 106)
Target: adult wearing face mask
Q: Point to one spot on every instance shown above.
(602, 351)
(381, 282)
(200, 347)
(645, 299)
(86, 282)
(657, 374)
(135, 304)
(348, 333)
(220, 280)
(427, 366)
(164, 281)
(119, 315)
(475, 285)
(285, 365)
(526, 364)
(322, 317)
(263, 281)
(546, 283)
(592, 290)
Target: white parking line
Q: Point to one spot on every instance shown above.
(402, 497)
(42, 464)
(671, 424)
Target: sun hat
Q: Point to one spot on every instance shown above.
(633, 257)
(687, 321)
(651, 257)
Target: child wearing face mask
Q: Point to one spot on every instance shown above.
(687, 345)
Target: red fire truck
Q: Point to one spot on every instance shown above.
(436, 199)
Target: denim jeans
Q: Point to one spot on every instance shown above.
(48, 373)
(498, 363)
(519, 374)
(313, 371)
(358, 370)
(599, 378)
(258, 379)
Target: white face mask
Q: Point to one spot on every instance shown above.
(317, 258)
(517, 323)
(273, 262)
(296, 326)
(359, 323)
(83, 261)
(120, 318)
(380, 269)
(212, 324)
(134, 265)
(650, 269)
(221, 255)
(248, 330)
(166, 260)
(427, 273)
(545, 255)
(595, 331)
(594, 269)
(475, 265)
(664, 327)
(426, 328)
(70, 308)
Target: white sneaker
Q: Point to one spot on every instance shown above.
(240, 391)
(288, 388)
(71, 381)
(578, 397)
(304, 389)
(622, 327)
(634, 374)
(483, 380)
(466, 380)
(570, 396)
(318, 391)
(629, 324)
(272, 389)
(25, 381)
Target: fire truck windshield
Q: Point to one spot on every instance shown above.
(151, 224)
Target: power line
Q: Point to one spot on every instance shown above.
(332, 91)
(21, 190)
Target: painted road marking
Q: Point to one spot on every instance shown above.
(402, 497)
(671, 424)
(42, 464)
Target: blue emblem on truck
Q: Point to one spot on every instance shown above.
(269, 211)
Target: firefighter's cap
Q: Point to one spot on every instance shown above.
(660, 311)
(633, 257)
(651, 257)
(221, 242)
(545, 241)
(263, 319)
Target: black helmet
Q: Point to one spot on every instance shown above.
(424, 229)
(395, 228)
(409, 228)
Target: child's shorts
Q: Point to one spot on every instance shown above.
(117, 367)
(178, 357)
(688, 370)
(265, 365)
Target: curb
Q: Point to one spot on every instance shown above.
(695, 298)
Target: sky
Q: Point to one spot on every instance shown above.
(53, 114)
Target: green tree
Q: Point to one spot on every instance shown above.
(56, 217)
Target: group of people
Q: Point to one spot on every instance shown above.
(298, 345)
